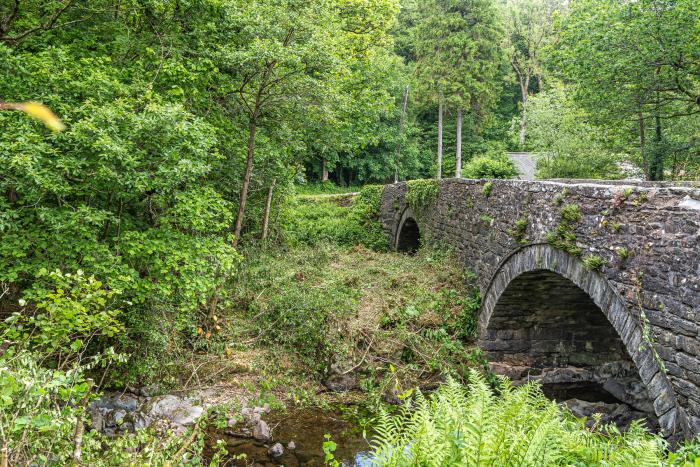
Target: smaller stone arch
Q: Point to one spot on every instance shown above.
(408, 237)
(539, 262)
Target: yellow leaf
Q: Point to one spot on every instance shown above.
(43, 113)
(200, 330)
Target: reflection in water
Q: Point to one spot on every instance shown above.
(306, 428)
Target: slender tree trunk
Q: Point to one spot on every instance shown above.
(439, 149)
(458, 169)
(401, 127)
(252, 130)
(324, 170)
(643, 142)
(525, 92)
(268, 205)
(656, 165)
(540, 83)
(80, 427)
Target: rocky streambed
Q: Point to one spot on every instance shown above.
(259, 436)
(253, 435)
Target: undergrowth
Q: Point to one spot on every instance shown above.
(338, 309)
(422, 193)
(333, 298)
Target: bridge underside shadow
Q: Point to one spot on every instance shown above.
(408, 238)
(544, 320)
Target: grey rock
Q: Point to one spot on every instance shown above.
(172, 408)
(124, 402)
(96, 420)
(341, 383)
(276, 450)
(254, 418)
(261, 431)
(291, 446)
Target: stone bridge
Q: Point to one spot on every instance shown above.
(580, 281)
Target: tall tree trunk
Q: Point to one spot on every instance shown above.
(401, 127)
(324, 170)
(525, 93)
(439, 149)
(458, 169)
(643, 142)
(266, 214)
(252, 130)
(656, 165)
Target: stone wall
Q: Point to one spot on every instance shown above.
(649, 288)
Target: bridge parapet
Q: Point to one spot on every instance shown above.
(638, 243)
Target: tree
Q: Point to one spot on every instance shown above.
(529, 26)
(458, 55)
(565, 141)
(277, 54)
(634, 65)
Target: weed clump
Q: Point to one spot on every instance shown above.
(563, 236)
(594, 262)
(519, 231)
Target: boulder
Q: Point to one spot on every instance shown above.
(172, 408)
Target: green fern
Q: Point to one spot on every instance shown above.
(472, 426)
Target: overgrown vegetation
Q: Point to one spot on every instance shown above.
(421, 193)
(386, 318)
(343, 220)
(500, 166)
(186, 125)
(47, 356)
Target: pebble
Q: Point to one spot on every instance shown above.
(276, 450)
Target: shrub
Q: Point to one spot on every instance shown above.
(472, 425)
(490, 167)
(44, 384)
(41, 407)
(66, 318)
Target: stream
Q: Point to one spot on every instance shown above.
(306, 429)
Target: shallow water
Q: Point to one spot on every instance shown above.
(306, 428)
(585, 391)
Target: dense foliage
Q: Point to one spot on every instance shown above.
(157, 221)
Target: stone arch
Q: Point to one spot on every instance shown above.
(543, 267)
(408, 237)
